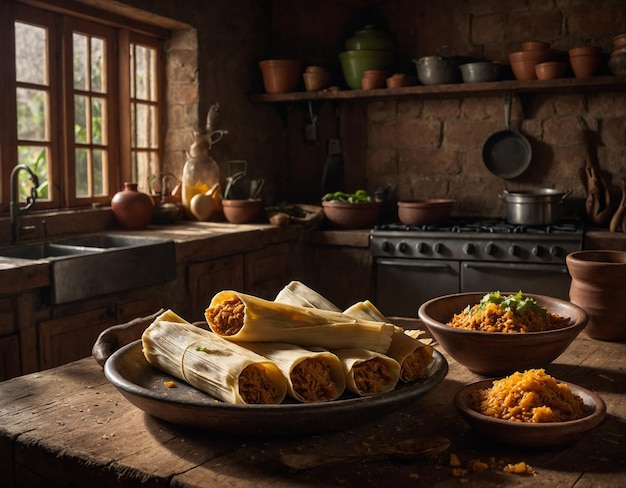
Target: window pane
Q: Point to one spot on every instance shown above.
(144, 63)
(98, 172)
(31, 54)
(81, 131)
(97, 122)
(36, 158)
(82, 173)
(97, 65)
(32, 114)
(79, 43)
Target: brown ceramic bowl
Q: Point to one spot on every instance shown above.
(550, 434)
(242, 211)
(585, 60)
(498, 353)
(351, 215)
(550, 70)
(423, 212)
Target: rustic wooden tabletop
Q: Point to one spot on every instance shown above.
(70, 427)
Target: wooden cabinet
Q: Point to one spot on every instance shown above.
(10, 363)
(267, 270)
(206, 278)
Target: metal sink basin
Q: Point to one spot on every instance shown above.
(44, 250)
(90, 266)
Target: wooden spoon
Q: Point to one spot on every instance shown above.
(409, 449)
(618, 221)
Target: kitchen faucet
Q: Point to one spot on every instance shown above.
(14, 208)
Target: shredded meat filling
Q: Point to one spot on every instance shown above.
(371, 376)
(227, 317)
(416, 364)
(311, 379)
(255, 386)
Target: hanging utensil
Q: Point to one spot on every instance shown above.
(618, 221)
(507, 153)
(598, 200)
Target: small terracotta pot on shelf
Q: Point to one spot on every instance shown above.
(374, 79)
(585, 60)
(535, 46)
(281, 75)
(550, 70)
(523, 62)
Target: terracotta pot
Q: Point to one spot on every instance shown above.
(132, 208)
(585, 61)
(551, 70)
(523, 62)
(281, 75)
(599, 287)
(242, 211)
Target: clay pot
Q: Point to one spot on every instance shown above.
(132, 208)
(242, 211)
(535, 46)
(619, 41)
(617, 61)
(585, 61)
(550, 70)
(281, 75)
(315, 80)
(599, 287)
(523, 62)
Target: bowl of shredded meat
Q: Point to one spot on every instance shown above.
(530, 408)
(494, 333)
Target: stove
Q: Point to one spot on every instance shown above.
(415, 263)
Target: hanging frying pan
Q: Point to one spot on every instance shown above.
(507, 153)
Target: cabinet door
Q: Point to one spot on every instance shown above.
(69, 338)
(10, 365)
(207, 278)
(267, 270)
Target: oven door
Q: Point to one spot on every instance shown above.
(402, 285)
(543, 279)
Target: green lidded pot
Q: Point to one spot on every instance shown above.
(369, 38)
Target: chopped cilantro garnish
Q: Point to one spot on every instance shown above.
(514, 303)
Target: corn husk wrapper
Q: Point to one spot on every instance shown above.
(297, 293)
(288, 357)
(373, 383)
(206, 361)
(269, 321)
(413, 355)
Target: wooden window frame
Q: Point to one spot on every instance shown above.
(63, 15)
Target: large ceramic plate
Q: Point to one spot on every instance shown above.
(144, 387)
(550, 434)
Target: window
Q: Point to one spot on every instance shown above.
(83, 106)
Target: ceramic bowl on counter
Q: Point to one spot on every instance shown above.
(351, 215)
(499, 353)
(242, 211)
(425, 211)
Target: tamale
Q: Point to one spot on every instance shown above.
(367, 372)
(314, 375)
(214, 365)
(413, 355)
(244, 318)
(297, 293)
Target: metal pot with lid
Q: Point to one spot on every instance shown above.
(439, 69)
(540, 206)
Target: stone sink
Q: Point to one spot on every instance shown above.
(93, 265)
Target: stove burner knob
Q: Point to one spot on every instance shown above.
(491, 249)
(422, 248)
(403, 247)
(515, 250)
(386, 246)
(538, 251)
(438, 248)
(556, 251)
(469, 248)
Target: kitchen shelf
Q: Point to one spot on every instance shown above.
(558, 86)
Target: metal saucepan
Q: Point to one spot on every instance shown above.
(507, 153)
(439, 69)
(541, 206)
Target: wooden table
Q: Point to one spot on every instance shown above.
(69, 427)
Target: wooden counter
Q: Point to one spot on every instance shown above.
(69, 427)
